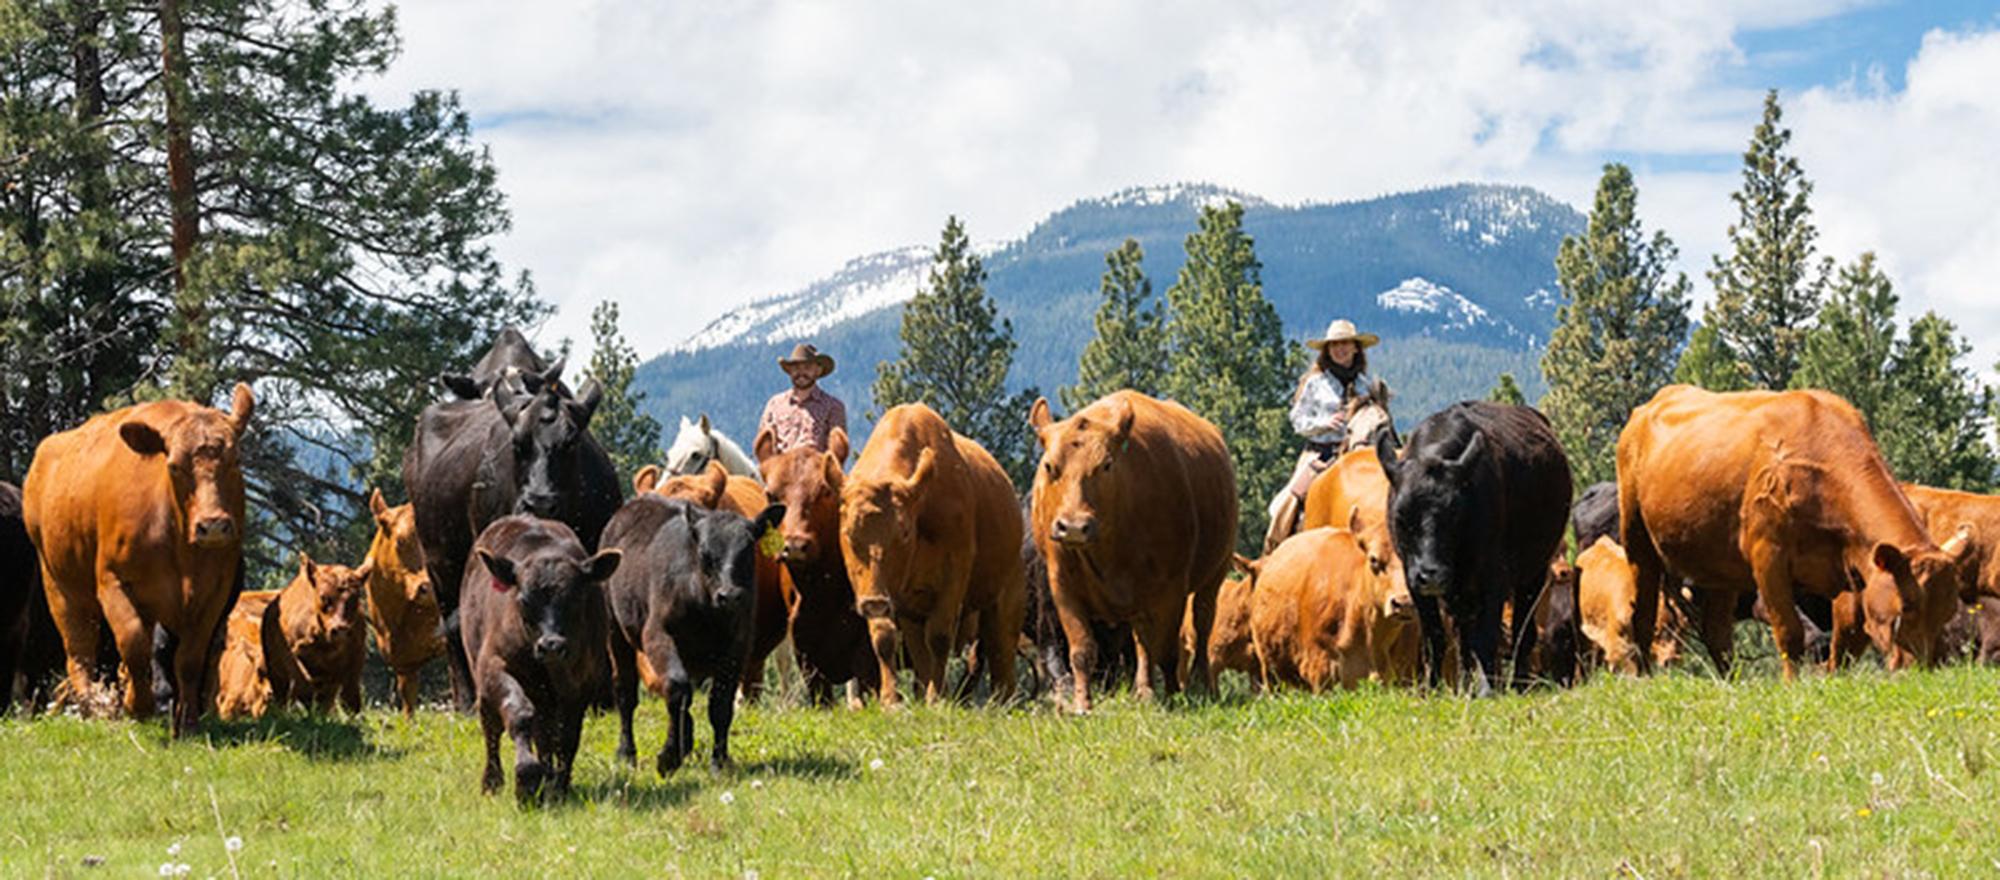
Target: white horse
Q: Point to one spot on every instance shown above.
(698, 443)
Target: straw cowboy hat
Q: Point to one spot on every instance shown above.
(1342, 330)
(804, 352)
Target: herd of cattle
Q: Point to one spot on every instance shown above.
(518, 561)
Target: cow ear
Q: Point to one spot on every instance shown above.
(1039, 416)
(646, 479)
(500, 567)
(1470, 452)
(765, 447)
(715, 483)
(587, 400)
(834, 475)
(1122, 416)
(1385, 452)
(1354, 519)
(242, 404)
(767, 520)
(837, 445)
(1889, 558)
(601, 566)
(367, 568)
(377, 506)
(547, 378)
(306, 566)
(1243, 564)
(460, 385)
(142, 438)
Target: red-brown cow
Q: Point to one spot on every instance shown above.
(314, 638)
(715, 488)
(1135, 510)
(932, 541)
(138, 518)
(1780, 492)
(1325, 611)
(829, 638)
(1229, 643)
(243, 684)
(402, 606)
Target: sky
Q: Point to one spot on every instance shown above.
(682, 158)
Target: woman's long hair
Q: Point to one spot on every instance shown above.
(1325, 364)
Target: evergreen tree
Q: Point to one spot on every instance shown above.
(1507, 391)
(1707, 362)
(1849, 350)
(955, 356)
(1767, 290)
(1623, 313)
(1935, 424)
(1129, 350)
(1229, 362)
(629, 433)
(195, 195)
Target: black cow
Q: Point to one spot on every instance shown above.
(1558, 630)
(510, 358)
(474, 461)
(686, 596)
(1477, 509)
(1595, 514)
(535, 626)
(29, 643)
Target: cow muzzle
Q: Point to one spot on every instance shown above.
(214, 531)
(874, 608)
(1074, 531)
(540, 504)
(551, 647)
(796, 550)
(1426, 582)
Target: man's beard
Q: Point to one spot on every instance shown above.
(803, 383)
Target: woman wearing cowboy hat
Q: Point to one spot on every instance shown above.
(1338, 377)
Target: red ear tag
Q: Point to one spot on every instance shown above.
(499, 587)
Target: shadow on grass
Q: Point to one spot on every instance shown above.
(815, 766)
(317, 737)
(633, 791)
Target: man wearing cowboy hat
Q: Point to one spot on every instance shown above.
(1320, 406)
(804, 415)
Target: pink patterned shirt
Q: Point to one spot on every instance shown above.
(802, 420)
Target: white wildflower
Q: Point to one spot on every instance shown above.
(875, 764)
(233, 844)
(756, 783)
(174, 849)
(728, 797)
(166, 869)
(1876, 779)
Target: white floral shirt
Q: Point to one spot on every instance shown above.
(1319, 402)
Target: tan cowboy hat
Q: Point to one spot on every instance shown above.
(1342, 330)
(804, 352)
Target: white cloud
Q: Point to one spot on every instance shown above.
(683, 158)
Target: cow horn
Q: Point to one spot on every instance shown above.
(1471, 450)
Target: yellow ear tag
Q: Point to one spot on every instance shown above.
(772, 543)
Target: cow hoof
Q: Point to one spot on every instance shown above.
(667, 763)
(721, 764)
(628, 756)
(490, 781)
(528, 781)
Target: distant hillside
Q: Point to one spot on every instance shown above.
(1459, 281)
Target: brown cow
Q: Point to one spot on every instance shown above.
(138, 518)
(1325, 611)
(715, 488)
(1607, 592)
(1135, 510)
(828, 637)
(314, 640)
(402, 606)
(243, 685)
(1353, 493)
(1781, 492)
(1945, 512)
(932, 540)
(1229, 643)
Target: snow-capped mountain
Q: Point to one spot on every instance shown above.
(1456, 279)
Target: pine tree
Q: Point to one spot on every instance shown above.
(1129, 350)
(1850, 348)
(1707, 363)
(1623, 313)
(629, 433)
(1767, 290)
(1934, 425)
(955, 356)
(1228, 360)
(195, 194)
(1507, 391)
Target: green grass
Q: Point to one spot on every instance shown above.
(1864, 773)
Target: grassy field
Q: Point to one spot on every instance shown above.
(1683, 775)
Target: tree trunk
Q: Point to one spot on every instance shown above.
(191, 376)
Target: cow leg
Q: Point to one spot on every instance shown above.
(567, 739)
(752, 677)
(1200, 670)
(1718, 626)
(78, 624)
(407, 682)
(1774, 586)
(999, 636)
(1524, 635)
(1848, 639)
(883, 637)
(490, 727)
(1430, 622)
(1082, 657)
(680, 722)
(135, 648)
(1648, 572)
(624, 692)
(721, 712)
(1479, 644)
(930, 651)
(350, 692)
